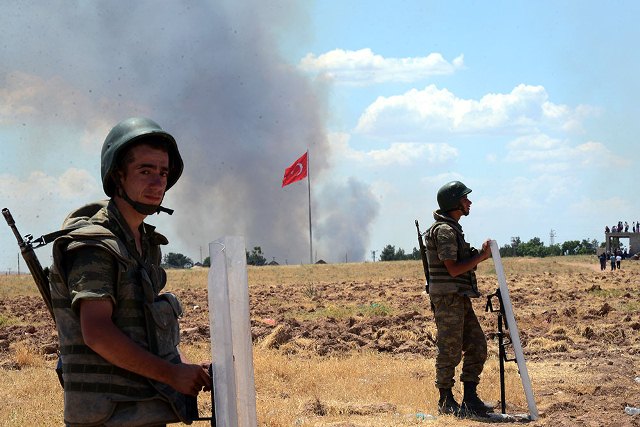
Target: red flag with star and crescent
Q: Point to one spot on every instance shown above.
(295, 172)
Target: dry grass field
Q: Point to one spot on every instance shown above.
(351, 345)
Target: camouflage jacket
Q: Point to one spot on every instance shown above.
(445, 241)
(98, 260)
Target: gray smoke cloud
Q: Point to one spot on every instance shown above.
(212, 74)
(343, 229)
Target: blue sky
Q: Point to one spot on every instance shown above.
(531, 104)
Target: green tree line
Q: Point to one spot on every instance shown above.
(255, 257)
(517, 248)
(533, 248)
(390, 253)
(536, 248)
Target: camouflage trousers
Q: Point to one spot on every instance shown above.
(145, 413)
(459, 333)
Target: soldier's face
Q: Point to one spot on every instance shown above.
(465, 205)
(145, 174)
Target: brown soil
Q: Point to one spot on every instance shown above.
(581, 332)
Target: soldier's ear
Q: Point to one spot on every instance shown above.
(118, 176)
(116, 179)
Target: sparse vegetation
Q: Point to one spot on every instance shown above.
(25, 355)
(580, 328)
(311, 291)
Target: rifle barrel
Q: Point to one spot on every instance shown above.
(30, 258)
(12, 224)
(423, 255)
(39, 277)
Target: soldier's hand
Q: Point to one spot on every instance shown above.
(191, 379)
(207, 366)
(486, 249)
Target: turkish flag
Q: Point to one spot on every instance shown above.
(295, 172)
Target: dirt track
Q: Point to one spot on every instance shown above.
(581, 332)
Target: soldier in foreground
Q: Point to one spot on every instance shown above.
(452, 282)
(118, 334)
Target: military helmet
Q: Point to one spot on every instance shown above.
(130, 131)
(449, 195)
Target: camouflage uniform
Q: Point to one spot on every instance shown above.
(459, 331)
(99, 260)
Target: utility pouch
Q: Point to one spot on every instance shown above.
(467, 291)
(165, 311)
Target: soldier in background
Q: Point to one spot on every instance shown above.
(118, 333)
(603, 261)
(452, 264)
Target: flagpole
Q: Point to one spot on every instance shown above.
(309, 193)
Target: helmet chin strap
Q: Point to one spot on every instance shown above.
(461, 209)
(143, 208)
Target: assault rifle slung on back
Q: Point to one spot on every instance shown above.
(27, 245)
(423, 255)
(41, 278)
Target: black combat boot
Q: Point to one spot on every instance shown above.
(471, 403)
(447, 404)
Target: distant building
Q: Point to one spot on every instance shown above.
(634, 240)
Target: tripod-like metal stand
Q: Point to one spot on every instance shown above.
(504, 340)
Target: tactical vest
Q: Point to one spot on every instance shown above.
(440, 281)
(91, 384)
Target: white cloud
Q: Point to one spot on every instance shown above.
(77, 183)
(534, 194)
(605, 208)
(399, 153)
(48, 108)
(404, 153)
(362, 67)
(39, 202)
(595, 153)
(72, 184)
(94, 134)
(27, 96)
(432, 112)
(546, 154)
(18, 93)
(438, 180)
(537, 148)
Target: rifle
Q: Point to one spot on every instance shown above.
(40, 276)
(27, 245)
(423, 255)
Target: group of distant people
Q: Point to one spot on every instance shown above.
(623, 227)
(614, 258)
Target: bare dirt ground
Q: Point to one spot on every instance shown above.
(580, 330)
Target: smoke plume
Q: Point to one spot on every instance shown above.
(213, 75)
